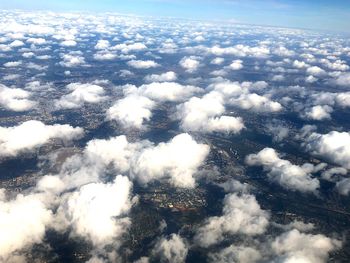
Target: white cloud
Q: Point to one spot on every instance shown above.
(255, 102)
(299, 64)
(163, 91)
(205, 114)
(236, 64)
(315, 71)
(12, 64)
(294, 246)
(36, 41)
(15, 99)
(131, 111)
(241, 215)
(241, 51)
(167, 76)
(92, 215)
(283, 172)
(217, 61)
(334, 147)
(319, 112)
(237, 254)
(343, 79)
(104, 55)
(68, 43)
(126, 48)
(190, 64)
(142, 64)
(23, 222)
(72, 60)
(102, 44)
(80, 94)
(16, 43)
(32, 134)
(174, 249)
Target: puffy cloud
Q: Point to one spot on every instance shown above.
(190, 64)
(294, 246)
(283, 52)
(343, 79)
(239, 254)
(102, 44)
(23, 222)
(72, 60)
(131, 111)
(126, 48)
(15, 99)
(167, 76)
(241, 51)
(315, 71)
(299, 64)
(278, 131)
(68, 43)
(217, 61)
(164, 91)
(334, 147)
(283, 172)
(173, 250)
(255, 102)
(36, 41)
(203, 114)
(80, 94)
(32, 134)
(177, 160)
(92, 215)
(319, 112)
(142, 64)
(104, 55)
(236, 65)
(16, 43)
(241, 214)
(343, 186)
(12, 64)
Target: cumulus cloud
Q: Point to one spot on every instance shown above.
(68, 43)
(174, 249)
(167, 76)
(126, 48)
(72, 60)
(255, 102)
(236, 64)
(241, 51)
(334, 147)
(239, 254)
(294, 246)
(315, 71)
(143, 64)
(80, 94)
(92, 215)
(283, 172)
(33, 134)
(190, 64)
(343, 80)
(205, 114)
(163, 91)
(12, 64)
(176, 161)
(319, 112)
(131, 111)
(15, 99)
(23, 222)
(241, 214)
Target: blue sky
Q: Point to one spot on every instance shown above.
(319, 14)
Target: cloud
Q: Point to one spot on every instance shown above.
(294, 246)
(164, 77)
(142, 64)
(23, 222)
(15, 99)
(104, 55)
(241, 215)
(255, 102)
(319, 112)
(334, 147)
(92, 215)
(12, 64)
(102, 44)
(174, 249)
(80, 94)
(190, 64)
(131, 111)
(68, 43)
(283, 172)
(241, 51)
(343, 79)
(33, 134)
(238, 254)
(72, 60)
(176, 160)
(205, 114)
(343, 186)
(315, 71)
(236, 65)
(126, 48)
(163, 91)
